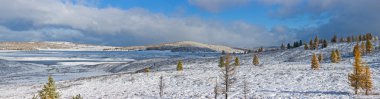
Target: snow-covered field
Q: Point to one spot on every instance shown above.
(283, 74)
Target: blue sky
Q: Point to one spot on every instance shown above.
(238, 23)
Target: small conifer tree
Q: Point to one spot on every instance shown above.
(306, 47)
(324, 45)
(367, 80)
(316, 42)
(255, 60)
(334, 39)
(339, 57)
(146, 69)
(311, 45)
(320, 57)
(221, 62)
(314, 62)
(283, 46)
(237, 63)
(334, 57)
(369, 46)
(179, 66)
(49, 90)
(355, 77)
(363, 48)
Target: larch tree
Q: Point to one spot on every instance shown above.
(306, 47)
(221, 61)
(314, 62)
(363, 48)
(311, 45)
(180, 65)
(369, 46)
(320, 57)
(367, 80)
(334, 57)
(316, 42)
(237, 63)
(355, 77)
(228, 73)
(339, 56)
(255, 60)
(49, 90)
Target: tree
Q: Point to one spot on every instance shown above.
(339, 57)
(324, 45)
(311, 45)
(341, 40)
(146, 69)
(334, 57)
(49, 90)
(223, 52)
(306, 47)
(300, 43)
(288, 46)
(77, 97)
(237, 63)
(363, 48)
(354, 77)
(334, 39)
(255, 60)
(179, 66)
(367, 80)
(314, 62)
(320, 57)
(221, 61)
(282, 46)
(316, 43)
(161, 86)
(369, 46)
(228, 78)
(349, 39)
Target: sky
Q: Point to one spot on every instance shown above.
(237, 23)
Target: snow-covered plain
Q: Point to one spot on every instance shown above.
(283, 74)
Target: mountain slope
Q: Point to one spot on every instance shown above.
(185, 46)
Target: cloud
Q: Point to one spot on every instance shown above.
(348, 17)
(41, 20)
(217, 5)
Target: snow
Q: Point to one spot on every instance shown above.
(283, 74)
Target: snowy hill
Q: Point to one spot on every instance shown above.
(282, 74)
(67, 46)
(184, 46)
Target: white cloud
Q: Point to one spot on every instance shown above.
(57, 20)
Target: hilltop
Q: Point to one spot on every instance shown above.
(184, 46)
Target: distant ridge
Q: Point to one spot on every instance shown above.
(184, 46)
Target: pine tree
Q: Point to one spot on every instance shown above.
(221, 61)
(339, 57)
(341, 40)
(255, 60)
(324, 45)
(237, 63)
(289, 47)
(300, 43)
(314, 62)
(369, 46)
(360, 38)
(349, 39)
(49, 90)
(306, 47)
(320, 57)
(179, 66)
(334, 39)
(367, 80)
(354, 77)
(334, 57)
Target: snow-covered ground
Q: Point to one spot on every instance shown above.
(283, 74)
